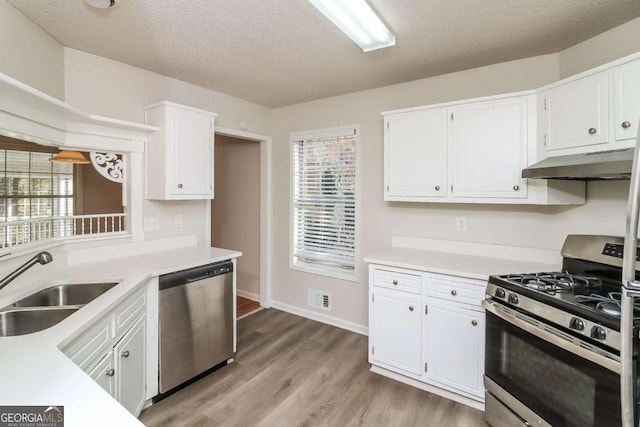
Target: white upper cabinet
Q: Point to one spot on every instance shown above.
(179, 157)
(416, 154)
(488, 146)
(469, 152)
(626, 105)
(577, 113)
(596, 110)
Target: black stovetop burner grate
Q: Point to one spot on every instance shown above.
(608, 304)
(552, 282)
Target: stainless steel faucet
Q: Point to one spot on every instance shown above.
(41, 257)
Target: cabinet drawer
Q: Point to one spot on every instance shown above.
(91, 345)
(467, 293)
(396, 280)
(130, 312)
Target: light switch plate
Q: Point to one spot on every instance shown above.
(461, 223)
(179, 221)
(151, 223)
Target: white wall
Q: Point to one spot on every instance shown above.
(29, 54)
(110, 88)
(613, 44)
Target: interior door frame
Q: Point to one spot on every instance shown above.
(265, 208)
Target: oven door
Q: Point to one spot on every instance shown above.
(543, 371)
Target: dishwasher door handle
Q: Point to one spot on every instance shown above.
(199, 277)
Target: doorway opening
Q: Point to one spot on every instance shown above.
(240, 212)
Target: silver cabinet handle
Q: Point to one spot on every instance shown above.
(125, 353)
(592, 131)
(626, 124)
(111, 372)
(516, 187)
(454, 292)
(474, 322)
(179, 185)
(410, 308)
(395, 282)
(437, 187)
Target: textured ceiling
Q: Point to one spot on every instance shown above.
(280, 52)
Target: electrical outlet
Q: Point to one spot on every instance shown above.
(461, 223)
(179, 221)
(151, 223)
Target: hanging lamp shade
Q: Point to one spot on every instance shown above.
(74, 157)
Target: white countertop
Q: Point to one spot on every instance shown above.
(33, 369)
(456, 264)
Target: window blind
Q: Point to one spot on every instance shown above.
(324, 188)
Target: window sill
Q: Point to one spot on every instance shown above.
(323, 270)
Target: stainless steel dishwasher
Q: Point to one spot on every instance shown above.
(196, 322)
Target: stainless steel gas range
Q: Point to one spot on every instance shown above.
(553, 341)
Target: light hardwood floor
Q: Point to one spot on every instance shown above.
(245, 306)
(291, 371)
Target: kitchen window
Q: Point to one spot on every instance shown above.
(324, 208)
(33, 187)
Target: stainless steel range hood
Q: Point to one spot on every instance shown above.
(614, 164)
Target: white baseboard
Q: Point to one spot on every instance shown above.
(474, 403)
(322, 318)
(248, 295)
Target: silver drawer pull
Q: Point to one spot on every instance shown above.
(626, 124)
(125, 353)
(516, 187)
(474, 322)
(395, 282)
(592, 131)
(179, 185)
(410, 308)
(454, 292)
(437, 187)
(111, 372)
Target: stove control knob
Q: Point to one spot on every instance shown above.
(500, 293)
(598, 333)
(576, 323)
(513, 299)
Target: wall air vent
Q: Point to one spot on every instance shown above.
(320, 299)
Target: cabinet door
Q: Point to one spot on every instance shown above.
(130, 368)
(489, 142)
(190, 153)
(454, 347)
(626, 100)
(396, 329)
(104, 374)
(577, 113)
(416, 153)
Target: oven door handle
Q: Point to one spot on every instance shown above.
(602, 360)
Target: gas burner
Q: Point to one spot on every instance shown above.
(552, 282)
(608, 304)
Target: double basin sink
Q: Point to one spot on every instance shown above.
(47, 307)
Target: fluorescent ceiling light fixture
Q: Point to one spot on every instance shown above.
(357, 20)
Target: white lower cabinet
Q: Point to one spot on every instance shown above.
(129, 358)
(397, 330)
(430, 335)
(103, 374)
(454, 347)
(112, 352)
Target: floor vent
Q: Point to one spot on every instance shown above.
(320, 299)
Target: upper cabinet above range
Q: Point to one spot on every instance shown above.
(596, 110)
(470, 151)
(179, 157)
